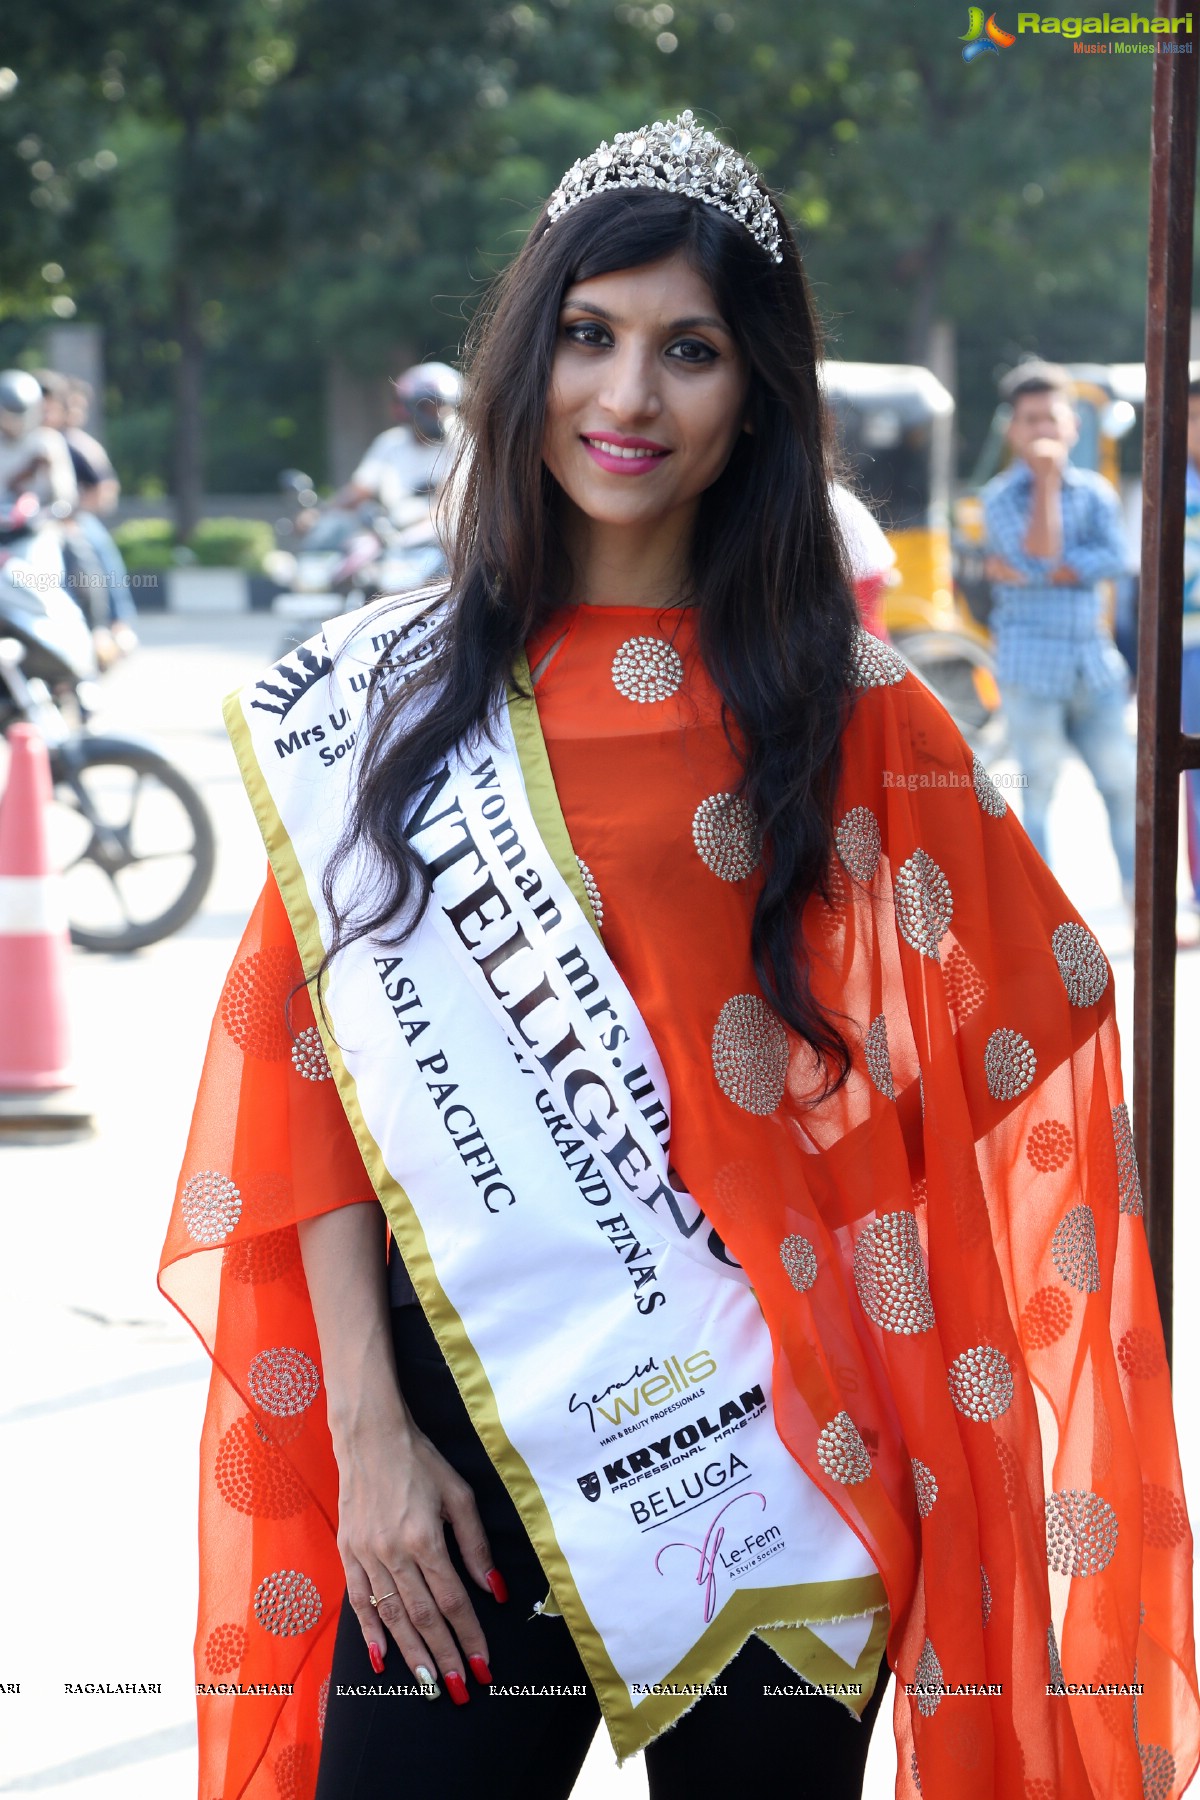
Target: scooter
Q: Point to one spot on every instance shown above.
(131, 835)
(349, 557)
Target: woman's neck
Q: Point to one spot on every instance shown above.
(628, 565)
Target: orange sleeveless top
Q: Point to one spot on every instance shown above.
(949, 1251)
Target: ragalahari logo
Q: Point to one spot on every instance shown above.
(981, 36)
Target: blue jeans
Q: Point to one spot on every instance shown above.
(1042, 728)
(120, 600)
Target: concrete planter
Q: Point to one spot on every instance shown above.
(196, 590)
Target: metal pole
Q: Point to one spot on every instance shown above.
(1162, 750)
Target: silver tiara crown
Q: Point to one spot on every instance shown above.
(681, 158)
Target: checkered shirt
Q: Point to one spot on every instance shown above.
(1048, 636)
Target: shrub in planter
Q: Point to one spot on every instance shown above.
(146, 544)
(231, 543)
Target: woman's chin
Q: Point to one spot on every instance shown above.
(637, 511)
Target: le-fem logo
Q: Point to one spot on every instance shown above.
(1130, 32)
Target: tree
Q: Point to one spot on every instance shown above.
(299, 178)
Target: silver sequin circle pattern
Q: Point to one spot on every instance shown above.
(1009, 1064)
(987, 793)
(1056, 1669)
(924, 904)
(646, 669)
(981, 1383)
(986, 1593)
(926, 1485)
(726, 835)
(592, 891)
(287, 1603)
(1129, 1184)
(1158, 1771)
(913, 1770)
(283, 1382)
(878, 1057)
(308, 1056)
(858, 842)
(211, 1205)
(889, 1272)
(842, 1453)
(928, 1680)
(800, 1260)
(1081, 963)
(876, 664)
(1073, 1248)
(1081, 1532)
(750, 1054)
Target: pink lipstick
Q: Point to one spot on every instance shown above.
(621, 455)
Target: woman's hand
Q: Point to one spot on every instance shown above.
(397, 1495)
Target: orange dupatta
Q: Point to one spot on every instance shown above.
(949, 1251)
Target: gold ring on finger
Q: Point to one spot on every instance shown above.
(378, 1599)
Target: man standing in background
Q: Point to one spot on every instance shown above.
(65, 406)
(1054, 532)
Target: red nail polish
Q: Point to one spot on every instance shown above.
(496, 1582)
(456, 1687)
(480, 1670)
(376, 1658)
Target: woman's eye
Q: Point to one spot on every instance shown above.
(587, 332)
(692, 350)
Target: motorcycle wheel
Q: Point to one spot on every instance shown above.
(132, 839)
(961, 672)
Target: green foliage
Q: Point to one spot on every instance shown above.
(268, 184)
(231, 543)
(214, 544)
(146, 544)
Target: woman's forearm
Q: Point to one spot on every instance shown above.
(347, 1283)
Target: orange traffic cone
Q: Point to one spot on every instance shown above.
(34, 946)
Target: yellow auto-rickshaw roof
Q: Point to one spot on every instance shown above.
(1120, 381)
(907, 388)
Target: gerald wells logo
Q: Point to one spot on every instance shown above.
(982, 37)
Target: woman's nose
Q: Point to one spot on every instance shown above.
(631, 390)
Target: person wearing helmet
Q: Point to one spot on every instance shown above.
(411, 459)
(33, 458)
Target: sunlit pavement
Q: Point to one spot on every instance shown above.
(104, 1387)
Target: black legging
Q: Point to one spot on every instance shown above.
(379, 1746)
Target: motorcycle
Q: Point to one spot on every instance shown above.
(129, 833)
(348, 557)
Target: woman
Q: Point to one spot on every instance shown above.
(744, 1098)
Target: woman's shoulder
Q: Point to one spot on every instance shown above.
(897, 722)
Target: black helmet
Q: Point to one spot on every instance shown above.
(20, 402)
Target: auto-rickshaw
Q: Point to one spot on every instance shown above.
(895, 426)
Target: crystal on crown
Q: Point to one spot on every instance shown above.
(681, 158)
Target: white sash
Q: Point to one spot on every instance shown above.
(514, 1116)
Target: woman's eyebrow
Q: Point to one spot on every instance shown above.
(688, 324)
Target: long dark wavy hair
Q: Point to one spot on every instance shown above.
(776, 616)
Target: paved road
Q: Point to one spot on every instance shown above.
(102, 1406)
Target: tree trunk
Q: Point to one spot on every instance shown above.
(927, 293)
(187, 484)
